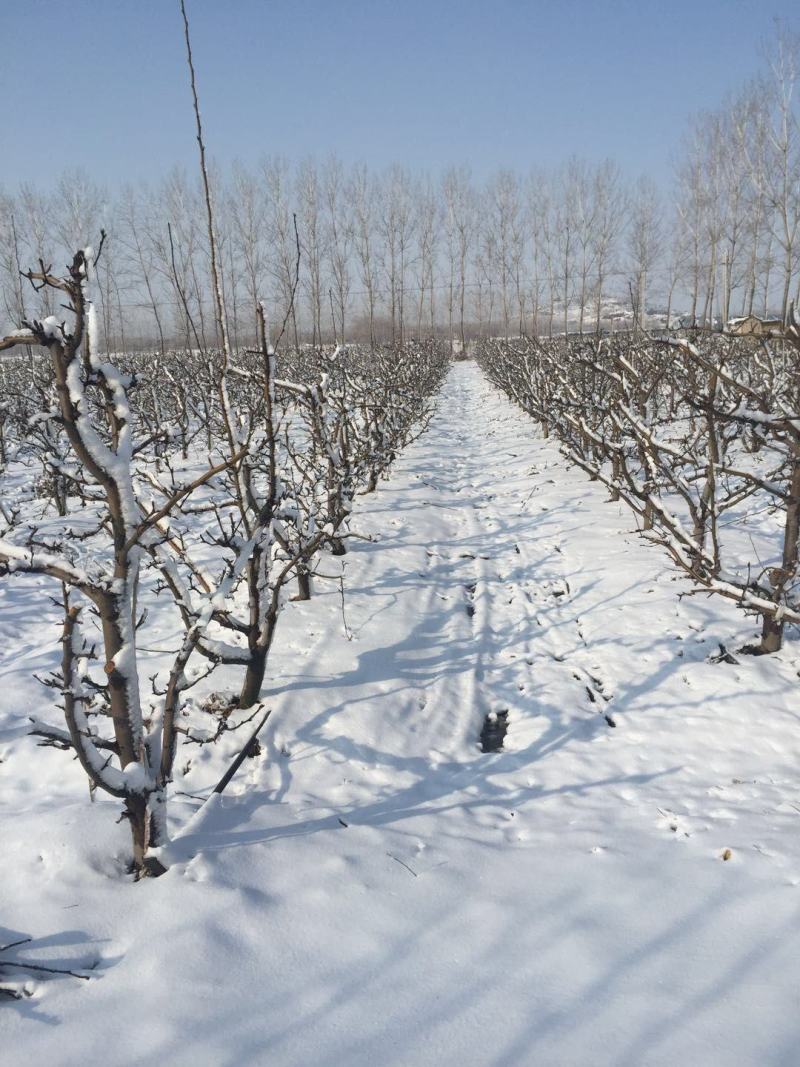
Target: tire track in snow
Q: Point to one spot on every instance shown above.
(512, 582)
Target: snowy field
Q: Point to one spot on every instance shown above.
(375, 890)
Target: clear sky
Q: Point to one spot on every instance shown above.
(102, 84)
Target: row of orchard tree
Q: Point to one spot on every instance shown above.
(392, 254)
(187, 494)
(701, 440)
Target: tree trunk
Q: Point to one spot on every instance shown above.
(254, 678)
(772, 630)
(303, 583)
(771, 635)
(137, 811)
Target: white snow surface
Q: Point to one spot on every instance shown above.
(375, 890)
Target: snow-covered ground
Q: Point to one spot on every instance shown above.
(375, 890)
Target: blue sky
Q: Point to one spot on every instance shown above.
(102, 83)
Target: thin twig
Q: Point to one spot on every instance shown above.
(348, 632)
(397, 860)
(45, 970)
(295, 284)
